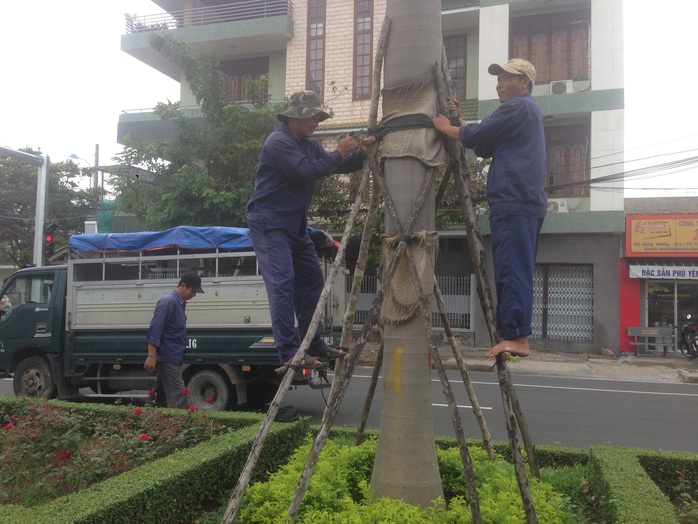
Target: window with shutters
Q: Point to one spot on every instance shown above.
(315, 76)
(567, 170)
(363, 48)
(242, 73)
(556, 44)
(456, 54)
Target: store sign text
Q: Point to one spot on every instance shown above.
(666, 272)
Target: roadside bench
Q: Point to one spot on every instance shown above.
(652, 338)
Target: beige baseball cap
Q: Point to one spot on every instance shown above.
(515, 66)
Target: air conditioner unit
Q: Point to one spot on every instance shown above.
(562, 87)
(557, 205)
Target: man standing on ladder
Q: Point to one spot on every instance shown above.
(513, 137)
(290, 163)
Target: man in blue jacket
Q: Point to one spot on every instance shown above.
(290, 163)
(167, 339)
(513, 137)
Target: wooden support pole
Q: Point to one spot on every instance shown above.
(337, 395)
(486, 438)
(443, 82)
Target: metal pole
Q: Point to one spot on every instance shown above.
(40, 219)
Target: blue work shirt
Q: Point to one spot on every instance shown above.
(286, 176)
(513, 137)
(168, 328)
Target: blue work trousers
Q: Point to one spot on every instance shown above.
(293, 278)
(514, 246)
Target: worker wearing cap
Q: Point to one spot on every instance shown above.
(290, 163)
(513, 137)
(167, 339)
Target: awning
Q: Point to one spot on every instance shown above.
(664, 269)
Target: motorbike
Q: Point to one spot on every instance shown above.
(689, 338)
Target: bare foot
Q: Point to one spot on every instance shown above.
(516, 346)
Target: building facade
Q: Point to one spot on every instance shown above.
(328, 46)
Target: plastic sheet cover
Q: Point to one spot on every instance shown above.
(183, 237)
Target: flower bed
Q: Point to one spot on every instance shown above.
(173, 488)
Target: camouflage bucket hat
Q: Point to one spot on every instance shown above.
(303, 104)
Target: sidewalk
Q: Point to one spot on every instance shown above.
(648, 367)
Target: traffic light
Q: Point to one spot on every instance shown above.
(49, 237)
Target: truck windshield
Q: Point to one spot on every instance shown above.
(29, 289)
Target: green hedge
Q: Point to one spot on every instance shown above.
(632, 486)
(171, 489)
(626, 493)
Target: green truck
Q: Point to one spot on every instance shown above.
(83, 325)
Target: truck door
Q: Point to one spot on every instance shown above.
(27, 316)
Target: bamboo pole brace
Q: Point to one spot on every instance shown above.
(372, 214)
(348, 321)
(335, 400)
(477, 411)
(378, 364)
(256, 450)
(443, 80)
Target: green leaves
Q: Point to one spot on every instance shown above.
(67, 205)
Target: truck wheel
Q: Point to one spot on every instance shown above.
(34, 378)
(209, 389)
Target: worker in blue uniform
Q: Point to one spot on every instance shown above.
(513, 137)
(290, 163)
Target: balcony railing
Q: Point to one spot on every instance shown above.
(243, 10)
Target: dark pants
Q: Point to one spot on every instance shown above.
(294, 282)
(514, 247)
(169, 377)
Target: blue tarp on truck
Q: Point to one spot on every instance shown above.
(182, 237)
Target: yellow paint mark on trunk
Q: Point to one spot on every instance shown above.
(394, 378)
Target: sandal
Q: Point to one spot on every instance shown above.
(307, 362)
(325, 353)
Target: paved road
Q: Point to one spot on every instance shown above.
(558, 410)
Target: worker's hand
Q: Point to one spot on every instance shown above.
(441, 123)
(454, 105)
(346, 145)
(366, 144)
(150, 364)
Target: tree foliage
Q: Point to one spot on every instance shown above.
(205, 174)
(67, 205)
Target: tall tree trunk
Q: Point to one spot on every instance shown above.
(405, 466)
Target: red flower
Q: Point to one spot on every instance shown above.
(185, 391)
(7, 426)
(144, 436)
(61, 457)
(192, 409)
(137, 411)
(208, 400)
(152, 393)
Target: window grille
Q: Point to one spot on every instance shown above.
(563, 302)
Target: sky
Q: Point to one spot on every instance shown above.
(65, 81)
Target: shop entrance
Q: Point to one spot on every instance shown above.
(670, 302)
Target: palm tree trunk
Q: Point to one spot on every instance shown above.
(405, 466)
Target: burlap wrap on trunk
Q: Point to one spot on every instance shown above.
(424, 144)
(401, 301)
